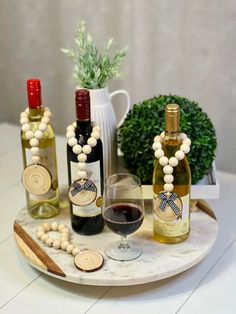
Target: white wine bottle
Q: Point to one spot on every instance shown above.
(41, 185)
(172, 182)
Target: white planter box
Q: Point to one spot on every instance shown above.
(207, 188)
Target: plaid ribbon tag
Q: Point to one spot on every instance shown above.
(88, 186)
(170, 201)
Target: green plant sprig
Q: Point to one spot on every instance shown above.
(93, 69)
(147, 119)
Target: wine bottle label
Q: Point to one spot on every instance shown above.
(47, 156)
(171, 214)
(94, 206)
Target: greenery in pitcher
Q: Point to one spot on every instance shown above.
(92, 69)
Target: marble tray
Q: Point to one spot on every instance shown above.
(157, 262)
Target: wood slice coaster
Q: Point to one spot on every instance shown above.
(88, 261)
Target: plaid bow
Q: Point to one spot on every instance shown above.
(170, 201)
(88, 186)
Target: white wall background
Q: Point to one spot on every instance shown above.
(181, 47)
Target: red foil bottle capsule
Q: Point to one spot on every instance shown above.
(82, 104)
(34, 93)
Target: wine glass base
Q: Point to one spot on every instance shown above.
(114, 251)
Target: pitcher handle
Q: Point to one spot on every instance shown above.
(122, 91)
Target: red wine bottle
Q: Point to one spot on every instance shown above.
(86, 219)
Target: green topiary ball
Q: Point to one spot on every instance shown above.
(147, 119)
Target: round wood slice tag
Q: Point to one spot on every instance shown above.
(168, 206)
(82, 192)
(36, 179)
(88, 261)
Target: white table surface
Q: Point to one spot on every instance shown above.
(209, 286)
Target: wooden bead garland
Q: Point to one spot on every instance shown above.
(169, 164)
(85, 260)
(82, 151)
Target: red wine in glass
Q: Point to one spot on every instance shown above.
(123, 218)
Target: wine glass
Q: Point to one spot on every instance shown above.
(123, 213)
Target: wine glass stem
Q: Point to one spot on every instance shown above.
(123, 243)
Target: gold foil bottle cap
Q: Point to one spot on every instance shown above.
(172, 118)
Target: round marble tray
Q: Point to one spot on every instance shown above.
(157, 262)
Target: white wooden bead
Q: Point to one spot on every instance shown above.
(168, 169)
(82, 165)
(34, 142)
(35, 159)
(179, 154)
(29, 135)
(24, 114)
(75, 251)
(92, 141)
(47, 113)
(61, 227)
(65, 235)
(163, 161)
(70, 128)
(168, 178)
(25, 127)
(40, 228)
(157, 138)
(27, 110)
(70, 134)
(187, 141)
(159, 153)
(45, 120)
(49, 241)
(69, 248)
(82, 174)
(47, 226)
(156, 145)
(82, 157)
(42, 126)
(39, 234)
(64, 245)
(34, 151)
(168, 187)
(64, 239)
(38, 134)
(97, 128)
(77, 149)
(185, 148)
(65, 230)
(57, 244)
(74, 124)
(46, 109)
(95, 134)
(182, 136)
(72, 141)
(54, 226)
(173, 161)
(24, 120)
(162, 135)
(87, 149)
(44, 237)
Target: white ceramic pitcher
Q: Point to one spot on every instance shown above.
(102, 113)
